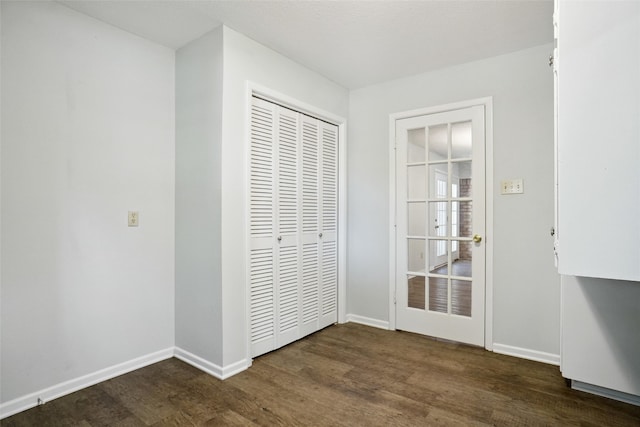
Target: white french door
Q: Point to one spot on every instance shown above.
(440, 209)
(293, 202)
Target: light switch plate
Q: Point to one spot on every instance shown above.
(512, 186)
(133, 218)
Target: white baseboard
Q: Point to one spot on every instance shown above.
(220, 372)
(606, 392)
(525, 353)
(42, 396)
(382, 324)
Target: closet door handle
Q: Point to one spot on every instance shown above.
(320, 235)
(279, 239)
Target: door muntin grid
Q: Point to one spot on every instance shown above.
(439, 261)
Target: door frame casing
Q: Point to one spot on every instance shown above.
(255, 89)
(487, 103)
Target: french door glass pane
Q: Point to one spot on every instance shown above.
(464, 218)
(439, 294)
(462, 260)
(461, 140)
(416, 219)
(461, 297)
(416, 145)
(438, 257)
(416, 182)
(438, 226)
(415, 255)
(438, 181)
(462, 170)
(438, 138)
(465, 183)
(416, 295)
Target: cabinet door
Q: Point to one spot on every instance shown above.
(599, 139)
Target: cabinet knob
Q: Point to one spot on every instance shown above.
(279, 238)
(319, 234)
(477, 238)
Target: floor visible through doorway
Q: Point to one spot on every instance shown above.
(438, 290)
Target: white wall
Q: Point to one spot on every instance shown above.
(89, 136)
(526, 286)
(245, 60)
(198, 192)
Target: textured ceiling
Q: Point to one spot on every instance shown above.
(354, 43)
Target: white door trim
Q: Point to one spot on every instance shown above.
(487, 102)
(252, 89)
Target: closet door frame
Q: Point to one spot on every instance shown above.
(254, 89)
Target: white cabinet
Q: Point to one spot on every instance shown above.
(293, 225)
(598, 138)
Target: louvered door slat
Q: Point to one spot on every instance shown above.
(261, 180)
(310, 283)
(288, 289)
(329, 179)
(329, 278)
(329, 220)
(288, 172)
(309, 176)
(262, 259)
(262, 297)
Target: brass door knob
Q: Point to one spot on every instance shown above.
(477, 238)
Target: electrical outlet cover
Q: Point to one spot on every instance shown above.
(133, 219)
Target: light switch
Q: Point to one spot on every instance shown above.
(133, 218)
(512, 186)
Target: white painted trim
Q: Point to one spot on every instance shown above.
(488, 272)
(253, 88)
(375, 323)
(487, 102)
(247, 214)
(606, 392)
(525, 353)
(31, 400)
(293, 103)
(342, 223)
(441, 108)
(220, 372)
(392, 220)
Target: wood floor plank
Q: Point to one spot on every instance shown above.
(311, 392)
(145, 400)
(230, 418)
(439, 417)
(344, 375)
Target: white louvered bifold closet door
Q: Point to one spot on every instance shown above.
(262, 258)
(293, 226)
(329, 224)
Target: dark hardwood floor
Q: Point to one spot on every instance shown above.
(344, 375)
